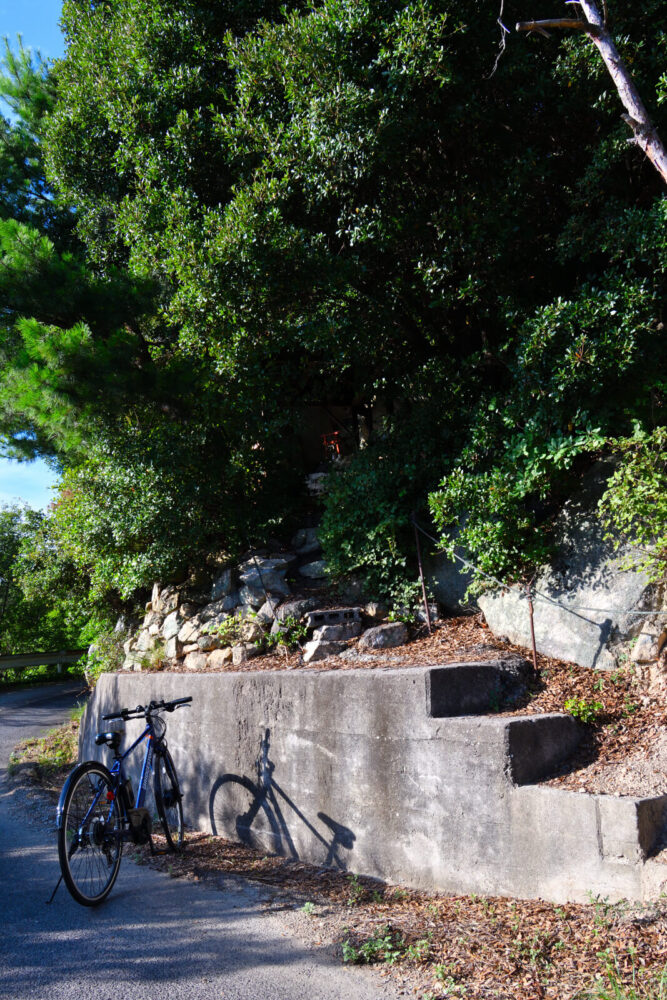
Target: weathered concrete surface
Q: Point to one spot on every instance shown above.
(349, 769)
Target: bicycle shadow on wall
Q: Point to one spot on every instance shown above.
(257, 811)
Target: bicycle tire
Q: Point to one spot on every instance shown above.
(168, 800)
(89, 857)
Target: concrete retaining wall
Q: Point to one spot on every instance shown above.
(348, 769)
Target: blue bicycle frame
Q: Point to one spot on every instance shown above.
(118, 773)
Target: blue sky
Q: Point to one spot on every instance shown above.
(37, 22)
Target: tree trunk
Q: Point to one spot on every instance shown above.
(645, 134)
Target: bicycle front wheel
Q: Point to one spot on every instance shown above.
(168, 800)
(90, 833)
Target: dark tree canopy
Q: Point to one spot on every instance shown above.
(279, 205)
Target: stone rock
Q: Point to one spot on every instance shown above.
(244, 651)
(376, 610)
(154, 630)
(296, 609)
(255, 598)
(188, 609)
(354, 591)
(584, 575)
(195, 661)
(222, 585)
(316, 570)
(221, 607)
(448, 580)
(220, 658)
(151, 618)
(305, 542)
(165, 601)
(319, 649)
(268, 610)
(260, 574)
(649, 643)
(128, 646)
(171, 625)
(338, 633)
(207, 643)
(252, 631)
(148, 606)
(173, 648)
(144, 641)
(384, 636)
(190, 647)
(132, 662)
(189, 631)
(433, 611)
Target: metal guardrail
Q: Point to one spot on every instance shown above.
(17, 661)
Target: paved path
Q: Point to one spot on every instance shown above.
(155, 938)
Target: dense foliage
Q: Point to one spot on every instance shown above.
(43, 604)
(276, 206)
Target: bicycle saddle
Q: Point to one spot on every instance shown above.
(112, 739)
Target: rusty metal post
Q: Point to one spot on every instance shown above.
(427, 610)
(532, 623)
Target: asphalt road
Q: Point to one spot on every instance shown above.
(154, 938)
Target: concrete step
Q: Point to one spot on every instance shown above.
(476, 688)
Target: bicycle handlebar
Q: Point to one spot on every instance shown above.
(151, 709)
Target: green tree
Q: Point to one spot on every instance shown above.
(340, 204)
(40, 609)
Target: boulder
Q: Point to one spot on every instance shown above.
(316, 570)
(207, 643)
(144, 641)
(223, 585)
(338, 633)
(384, 636)
(219, 658)
(195, 661)
(252, 596)
(217, 608)
(188, 609)
(448, 580)
(319, 649)
(173, 648)
(244, 651)
(583, 602)
(164, 600)
(189, 631)
(171, 625)
(267, 612)
(252, 631)
(305, 541)
(296, 609)
(263, 574)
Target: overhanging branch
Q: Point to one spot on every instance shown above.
(595, 26)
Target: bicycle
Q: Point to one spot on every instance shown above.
(98, 811)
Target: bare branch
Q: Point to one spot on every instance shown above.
(595, 26)
(504, 32)
(569, 23)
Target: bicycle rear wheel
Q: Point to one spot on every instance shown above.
(90, 833)
(168, 800)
